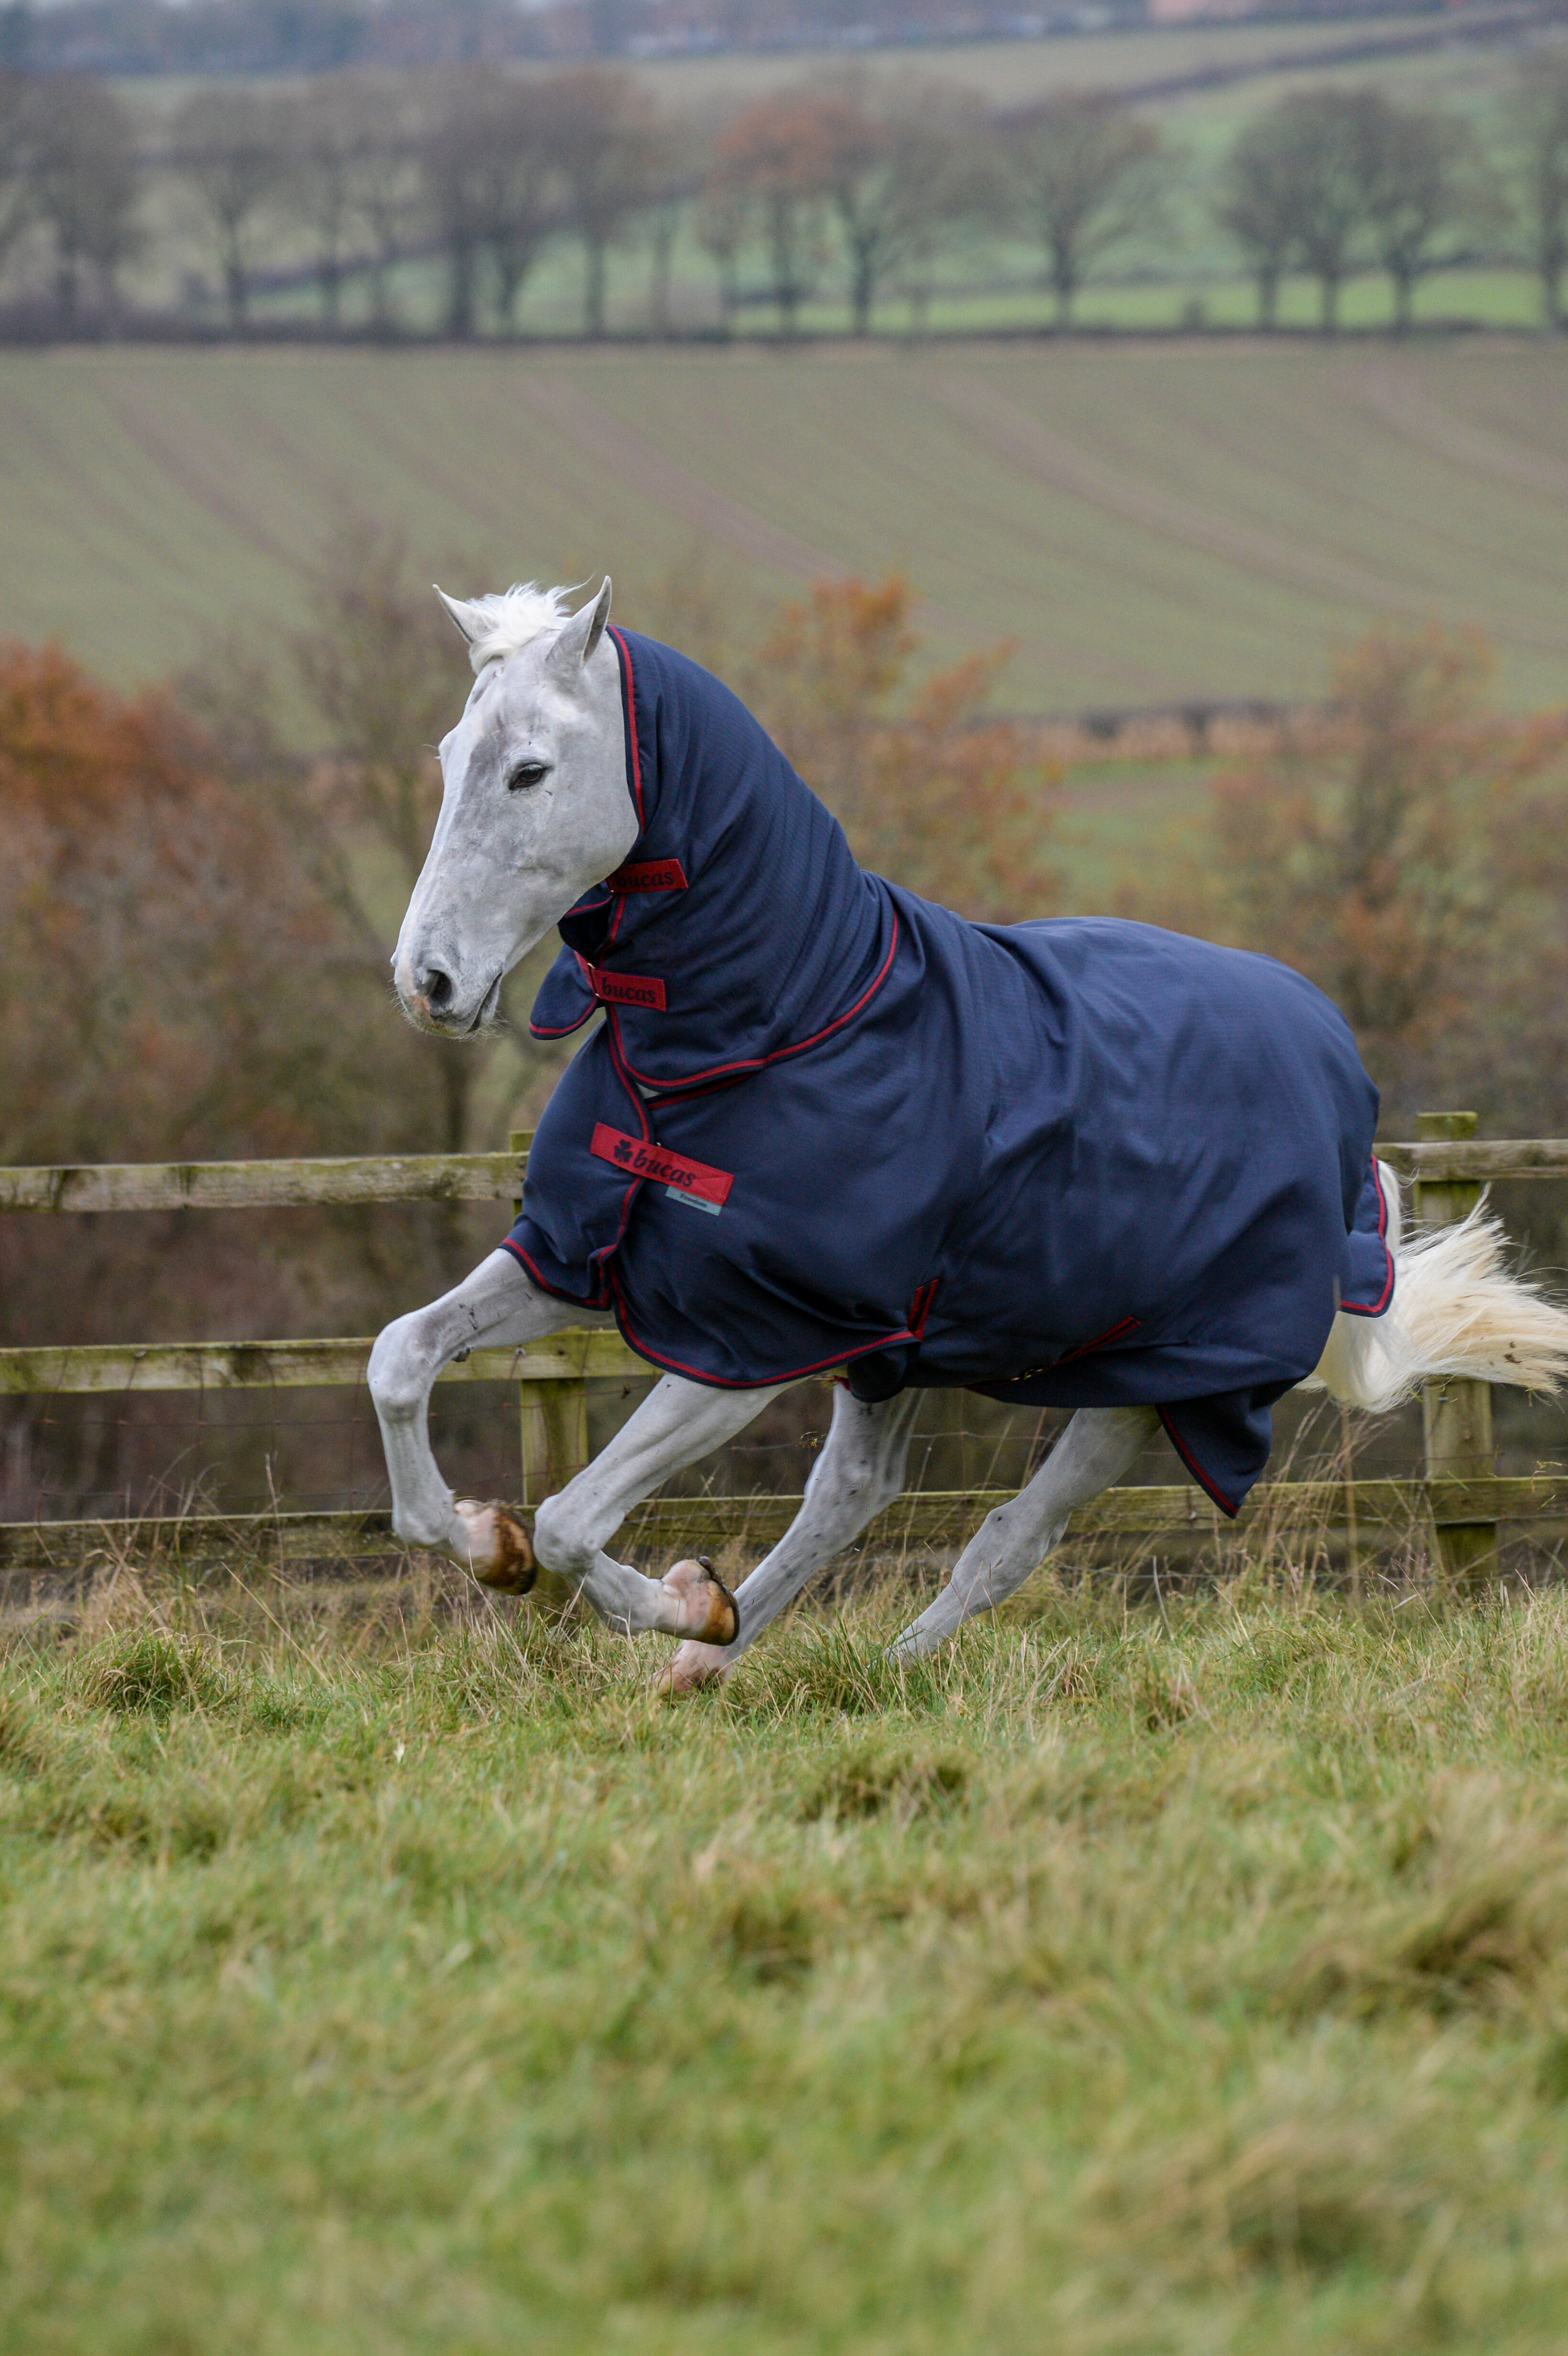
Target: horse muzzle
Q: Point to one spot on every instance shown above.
(435, 1000)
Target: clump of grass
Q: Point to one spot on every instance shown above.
(869, 1778)
(24, 1747)
(151, 1672)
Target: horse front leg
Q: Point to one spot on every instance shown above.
(675, 1424)
(499, 1306)
(1098, 1446)
(860, 1472)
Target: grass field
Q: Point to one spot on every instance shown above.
(1147, 522)
(1188, 1976)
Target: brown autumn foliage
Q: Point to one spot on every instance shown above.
(163, 959)
(177, 986)
(936, 795)
(1407, 859)
(1372, 878)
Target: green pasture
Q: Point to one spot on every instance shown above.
(1148, 1973)
(1146, 522)
(1183, 278)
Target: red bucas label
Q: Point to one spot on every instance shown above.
(640, 1159)
(648, 875)
(623, 989)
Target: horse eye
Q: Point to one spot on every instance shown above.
(526, 773)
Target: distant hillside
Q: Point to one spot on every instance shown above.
(1148, 523)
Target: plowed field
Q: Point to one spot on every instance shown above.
(1148, 522)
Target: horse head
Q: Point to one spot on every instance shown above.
(534, 804)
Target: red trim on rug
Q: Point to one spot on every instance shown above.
(1375, 1308)
(629, 684)
(1126, 1325)
(757, 1062)
(726, 1382)
(545, 1285)
(1193, 1466)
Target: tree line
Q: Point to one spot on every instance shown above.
(884, 190)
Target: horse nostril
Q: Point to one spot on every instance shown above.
(434, 987)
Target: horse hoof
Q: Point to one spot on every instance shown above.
(498, 1549)
(693, 1664)
(706, 1611)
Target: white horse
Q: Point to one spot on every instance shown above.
(536, 811)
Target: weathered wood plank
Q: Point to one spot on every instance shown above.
(258, 1185)
(931, 1517)
(1479, 1158)
(566, 1356)
(493, 1177)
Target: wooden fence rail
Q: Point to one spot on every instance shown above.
(572, 1357)
(1459, 1497)
(493, 1177)
(262, 1185)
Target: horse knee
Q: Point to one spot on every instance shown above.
(399, 1375)
(562, 1541)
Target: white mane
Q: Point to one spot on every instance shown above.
(497, 625)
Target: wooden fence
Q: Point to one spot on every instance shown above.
(1459, 1493)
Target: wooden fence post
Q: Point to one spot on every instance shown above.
(553, 1416)
(1457, 1416)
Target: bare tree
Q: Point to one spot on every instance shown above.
(16, 117)
(1083, 168)
(1537, 125)
(604, 135)
(723, 219)
(518, 182)
(1323, 142)
(863, 192)
(776, 155)
(1257, 204)
(1421, 177)
(454, 171)
(945, 184)
(84, 182)
(675, 151)
(231, 146)
(904, 170)
(328, 133)
(387, 175)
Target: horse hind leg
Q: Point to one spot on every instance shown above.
(1098, 1446)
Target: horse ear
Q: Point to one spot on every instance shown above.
(576, 642)
(468, 618)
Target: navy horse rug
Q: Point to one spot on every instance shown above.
(827, 1124)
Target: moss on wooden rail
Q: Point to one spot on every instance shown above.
(925, 1518)
(567, 1356)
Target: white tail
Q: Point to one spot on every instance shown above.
(1456, 1310)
